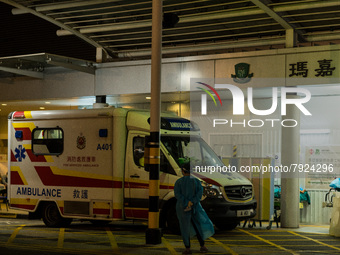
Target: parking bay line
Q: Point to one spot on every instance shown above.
(316, 241)
(169, 246)
(14, 234)
(268, 242)
(40, 248)
(61, 237)
(223, 245)
(113, 242)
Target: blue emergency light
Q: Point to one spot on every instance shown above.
(19, 134)
(103, 132)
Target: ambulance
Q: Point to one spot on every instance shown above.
(89, 164)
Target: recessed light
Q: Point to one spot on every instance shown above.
(148, 98)
(3, 104)
(42, 108)
(47, 102)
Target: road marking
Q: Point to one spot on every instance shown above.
(223, 245)
(316, 241)
(14, 234)
(169, 246)
(61, 238)
(12, 216)
(268, 242)
(30, 247)
(112, 241)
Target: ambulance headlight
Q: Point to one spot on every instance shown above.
(210, 190)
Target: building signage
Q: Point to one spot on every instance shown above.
(302, 69)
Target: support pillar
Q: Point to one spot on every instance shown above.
(290, 193)
(99, 55)
(152, 152)
(291, 38)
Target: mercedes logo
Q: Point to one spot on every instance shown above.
(243, 192)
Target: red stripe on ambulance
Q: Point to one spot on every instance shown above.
(206, 179)
(137, 213)
(21, 206)
(101, 211)
(13, 159)
(117, 213)
(48, 178)
(140, 214)
(16, 179)
(138, 185)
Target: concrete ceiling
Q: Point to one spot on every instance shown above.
(122, 29)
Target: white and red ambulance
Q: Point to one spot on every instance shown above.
(89, 164)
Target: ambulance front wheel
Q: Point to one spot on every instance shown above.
(52, 217)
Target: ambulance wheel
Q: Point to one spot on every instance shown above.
(172, 222)
(52, 217)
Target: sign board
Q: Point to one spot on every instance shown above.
(322, 165)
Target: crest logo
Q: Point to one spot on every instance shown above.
(81, 142)
(242, 73)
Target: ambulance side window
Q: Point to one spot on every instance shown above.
(138, 150)
(138, 156)
(47, 141)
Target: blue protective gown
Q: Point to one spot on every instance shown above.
(190, 189)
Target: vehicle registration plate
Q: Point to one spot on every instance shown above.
(244, 213)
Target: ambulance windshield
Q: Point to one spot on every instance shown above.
(190, 149)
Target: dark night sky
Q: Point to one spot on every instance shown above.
(28, 34)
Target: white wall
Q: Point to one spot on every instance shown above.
(57, 83)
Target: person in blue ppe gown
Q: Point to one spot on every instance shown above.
(193, 220)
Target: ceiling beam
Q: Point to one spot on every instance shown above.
(72, 4)
(291, 33)
(206, 47)
(34, 74)
(203, 17)
(84, 69)
(272, 14)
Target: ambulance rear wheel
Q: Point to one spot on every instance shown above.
(52, 217)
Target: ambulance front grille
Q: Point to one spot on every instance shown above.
(240, 192)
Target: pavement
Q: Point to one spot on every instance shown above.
(307, 228)
(116, 238)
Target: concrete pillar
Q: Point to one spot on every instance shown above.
(290, 193)
(99, 55)
(152, 154)
(291, 38)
